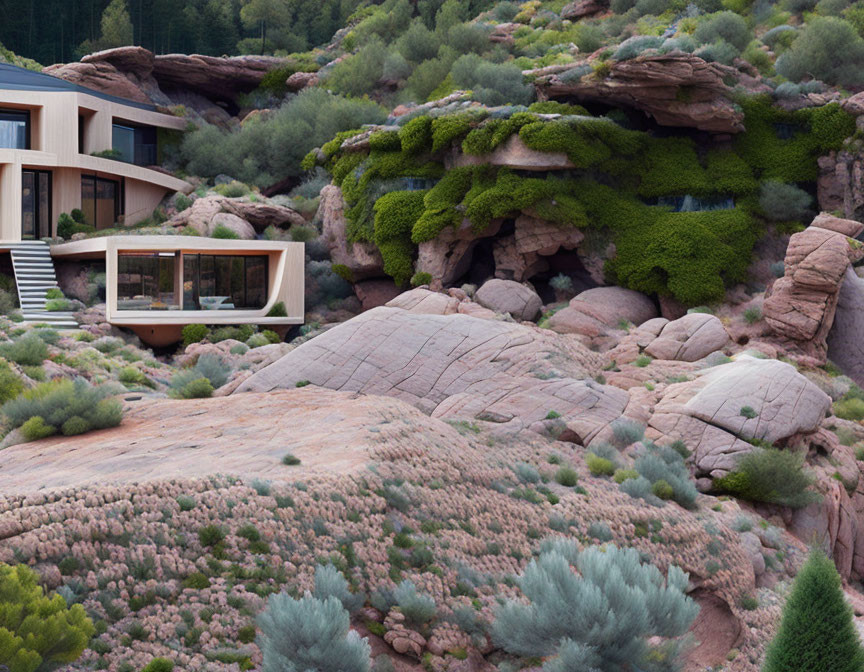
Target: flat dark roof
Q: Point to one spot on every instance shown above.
(20, 79)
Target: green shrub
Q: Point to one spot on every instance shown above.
(182, 201)
(772, 476)
(129, 375)
(74, 426)
(27, 350)
(604, 623)
(10, 384)
(194, 333)
(68, 226)
(632, 47)
(817, 631)
(849, 408)
(812, 54)
(193, 386)
(232, 189)
(781, 202)
(726, 26)
(417, 607)
(159, 665)
(395, 215)
(210, 535)
(421, 278)
(309, 634)
(272, 149)
(56, 402)
(662, 489)
(35, 428)
(567, 477)
(223, 232)
(622, 475)
(290, 460)
(748, 412)
(278, 310)
(599, 466)
(38, 632)
(196, 581)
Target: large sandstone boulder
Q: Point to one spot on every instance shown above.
(652, 83)
(257, 216)
(136, 74)
(706, 413)
(457, 367)
(424, 301)
(508, 296)
(595, 311)
(801, 305)
(692, 337)
(363, 260)
(846, 338)
(576, 10)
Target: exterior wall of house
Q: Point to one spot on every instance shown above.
(54, 147)
(162, 327)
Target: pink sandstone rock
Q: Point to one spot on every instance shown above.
(706, 412)
(651, 83)
(459, 367)
(689, 338)
(422, 300)
(362, 259)
(508, 296)
(801, 305)
(241, 433)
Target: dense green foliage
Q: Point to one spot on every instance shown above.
(818, 631)
(598, 619)
(770, 475)
(690, 255)
(38, 633)
(271, 148)
(70, 407)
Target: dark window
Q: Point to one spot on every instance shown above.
(224, 282)
(101, 201)
(35, 204)
(14, 129)
(135, 144)
(81, 123)
(147, 281)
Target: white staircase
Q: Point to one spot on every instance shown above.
(34, 275)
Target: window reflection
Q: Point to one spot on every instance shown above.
(14, 130)
(224, 282)
(148, 281)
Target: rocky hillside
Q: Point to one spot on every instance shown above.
(577, 273)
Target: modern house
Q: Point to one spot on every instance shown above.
(64, 147)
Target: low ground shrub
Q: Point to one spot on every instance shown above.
(73, 407)
(27, 350)
(772, 476)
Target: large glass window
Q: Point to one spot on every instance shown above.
(224, 282)
(101, 201)
(14, 129)
(135, 144)
(148, 281)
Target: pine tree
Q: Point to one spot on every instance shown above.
(37, 632)
(817, 633)
(116, 25)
